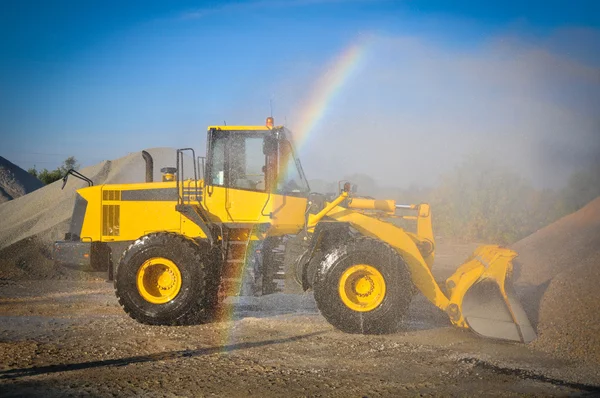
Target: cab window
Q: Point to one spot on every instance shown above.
(246, 162)
(218, 162)
(238, 161)
(290, 180)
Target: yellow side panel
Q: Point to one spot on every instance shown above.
(127, 211)
(246, 206)
(139, 218)
(288, 213)
(117, 212)
(191, 229)
(92, 228)
(285, 213)
(214, 203)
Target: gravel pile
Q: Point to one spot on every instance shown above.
(560, 246)
(558, 274)
(32, 222)
(569, 314)
(15, 182)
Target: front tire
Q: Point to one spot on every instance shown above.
(363, 286)
(161, 279)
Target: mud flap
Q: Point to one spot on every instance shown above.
(490, 313)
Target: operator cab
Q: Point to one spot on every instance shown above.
(254, 158)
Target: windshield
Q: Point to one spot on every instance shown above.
(291, 176)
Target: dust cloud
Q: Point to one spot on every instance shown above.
(415, 108)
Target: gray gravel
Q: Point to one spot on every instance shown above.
(15, 182)
(70, 338)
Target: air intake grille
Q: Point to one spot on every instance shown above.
(111, 195)
(111, 216)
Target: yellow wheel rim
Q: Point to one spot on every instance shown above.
(362, 288)
(158, 280)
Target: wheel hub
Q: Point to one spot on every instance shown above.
(158, 280)
(362, 288)
(166, 280)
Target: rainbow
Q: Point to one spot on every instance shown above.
(323, 93)
(327, 88)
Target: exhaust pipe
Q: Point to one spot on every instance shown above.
(149, 166)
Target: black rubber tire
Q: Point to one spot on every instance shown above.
(192, 305)
(293, 251)
(387, 316)
(213, 271)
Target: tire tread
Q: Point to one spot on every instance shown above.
(385, 319)
(195, 311)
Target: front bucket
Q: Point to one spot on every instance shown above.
(482, 290)
(490, 313)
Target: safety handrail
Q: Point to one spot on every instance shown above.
(77, 174)
(180, 174)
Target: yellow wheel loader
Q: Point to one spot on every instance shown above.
(250, 225)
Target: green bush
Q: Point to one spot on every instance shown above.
(48, 177)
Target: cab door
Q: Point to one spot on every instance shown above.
(238, 176)
(247, 194)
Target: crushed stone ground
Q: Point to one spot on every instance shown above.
(62, 332)
(70, 338)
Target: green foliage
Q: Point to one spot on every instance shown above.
(68, 163)
(48, 177)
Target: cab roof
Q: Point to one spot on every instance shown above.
(241, 128)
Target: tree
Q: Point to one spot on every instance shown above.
(68, 164)
(33, 171)
(48, 177)
(479, 201)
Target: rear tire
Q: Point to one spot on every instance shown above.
(161, 279)
(363, 286)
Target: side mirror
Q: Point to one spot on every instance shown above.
(348, 187)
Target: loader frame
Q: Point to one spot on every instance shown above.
(231, 219)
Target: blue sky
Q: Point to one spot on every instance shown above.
(98, 80)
